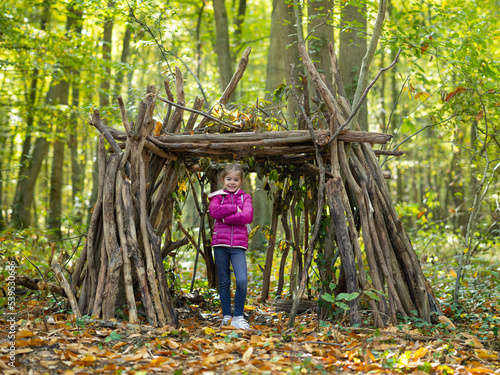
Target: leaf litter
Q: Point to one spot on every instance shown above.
(59, 344)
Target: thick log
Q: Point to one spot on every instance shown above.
(150, 269)
(364, 207)
(154, 247)
(39, 284)
(357, 191)
(304, 305)
(101, 280)
(405, 253)
(130, 231)
(88, 255)
(273, 137)
(333, 192)
(113, 251)
(127, 269)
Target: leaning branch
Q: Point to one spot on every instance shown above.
(360, 102)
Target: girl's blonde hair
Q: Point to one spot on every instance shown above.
(233, 168)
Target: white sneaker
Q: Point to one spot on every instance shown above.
(239, 322)
(226, 320)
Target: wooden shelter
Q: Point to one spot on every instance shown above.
(134, 210)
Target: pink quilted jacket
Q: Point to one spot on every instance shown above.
(230, 228)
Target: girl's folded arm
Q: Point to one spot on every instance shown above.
(243, 217)
(219, 211)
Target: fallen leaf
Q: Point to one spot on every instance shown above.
(209, 331)
(24, 334)
(444, 319)
(484, 354)
(247, 355)
(158, 361)
(479, 370)
(422, 351)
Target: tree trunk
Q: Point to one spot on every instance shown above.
(320, 13)
(19, 197)
(124, 57)
(238, 27)
(104, 92)
(291, 54)
(21, 210)
(352, 49)
(222, 47)
(77, 164)
(275, 75)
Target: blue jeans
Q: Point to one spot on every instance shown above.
(223, 256)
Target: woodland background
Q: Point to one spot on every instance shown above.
(61, 59)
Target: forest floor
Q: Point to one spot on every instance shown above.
(51, 342)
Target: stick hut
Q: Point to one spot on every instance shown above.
(133, 215)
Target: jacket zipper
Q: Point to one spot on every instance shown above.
(232, 226)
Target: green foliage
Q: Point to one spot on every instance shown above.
(337, 300)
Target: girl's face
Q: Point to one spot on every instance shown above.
(232, 181)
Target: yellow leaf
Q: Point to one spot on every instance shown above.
(466, 250)
(453, 273)
(370, 354)
(423, 95)
(484, 354)
(448, 369)
(422, 351)
(209, 331)
(249, 308)
(89, 359)
(479, 370)
(158, 361)
(158, 128)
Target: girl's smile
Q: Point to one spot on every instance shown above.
(232, 182)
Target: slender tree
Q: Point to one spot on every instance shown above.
(275, 75)
(222, 45)
(352, 49)
(320, 34)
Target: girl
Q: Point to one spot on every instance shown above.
(232, 210)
